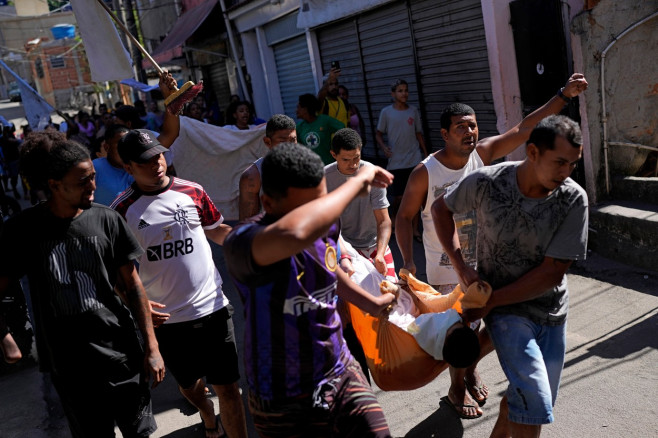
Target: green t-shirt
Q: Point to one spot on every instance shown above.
(317, 135)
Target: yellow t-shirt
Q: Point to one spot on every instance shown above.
(336, 109)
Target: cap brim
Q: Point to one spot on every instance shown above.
(155, 150)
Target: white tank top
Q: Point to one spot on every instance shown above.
(439, 178)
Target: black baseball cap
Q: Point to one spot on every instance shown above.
(139, 145)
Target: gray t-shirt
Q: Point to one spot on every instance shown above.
(515, 233)
(358, 224)
(400, 127)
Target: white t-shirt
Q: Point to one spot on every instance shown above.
(401, 127)
(439, 178)
(177, 268)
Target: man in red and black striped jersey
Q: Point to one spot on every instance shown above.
(171, 219)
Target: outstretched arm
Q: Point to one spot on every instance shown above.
(498, 146)
(306, 223)
(171, 123)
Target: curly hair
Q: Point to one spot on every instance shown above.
(279, 122)
(346, 139)
(49, 155)
(290, 165)
(454, 109)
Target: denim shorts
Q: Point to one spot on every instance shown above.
(532, 357)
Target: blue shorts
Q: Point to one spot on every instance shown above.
(532, 357)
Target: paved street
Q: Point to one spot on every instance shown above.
(607, 390)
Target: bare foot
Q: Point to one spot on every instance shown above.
(10, 349)
(476, 388)
(463, 404)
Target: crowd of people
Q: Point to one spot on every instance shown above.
(131, 286)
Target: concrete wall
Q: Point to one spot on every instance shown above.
(16, 31)
(631, 83)
(31, 7)
(58, 82)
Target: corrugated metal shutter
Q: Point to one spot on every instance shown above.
(453, 65)
(387, 51)
(217, 74)
(340, 42)
(293, 66)
(374, 50)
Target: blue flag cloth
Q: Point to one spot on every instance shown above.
(37, 110)
(144, 88)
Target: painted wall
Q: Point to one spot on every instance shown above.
(31, 7)
(631, 83)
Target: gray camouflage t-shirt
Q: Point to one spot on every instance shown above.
(515, 233)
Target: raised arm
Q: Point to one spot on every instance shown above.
(412, 202)
(135, 297)
(171, 123)
(322, 94)
(498, 146)
(306, 223)
(249, 197)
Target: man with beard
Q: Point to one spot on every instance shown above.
(331, 103)
(463, 153)
(532, 224)
(74, 252)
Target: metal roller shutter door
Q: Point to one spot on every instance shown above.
(293, 66)
(374, 49)
(340, 42)
(217, 74)
(451, 50)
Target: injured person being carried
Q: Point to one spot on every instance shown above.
(424, 332)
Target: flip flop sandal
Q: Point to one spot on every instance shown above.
(212, 429)
(473, 391)
(458, 408)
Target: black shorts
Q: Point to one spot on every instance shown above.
(202, 347)
(94, 410)
(401, 176)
